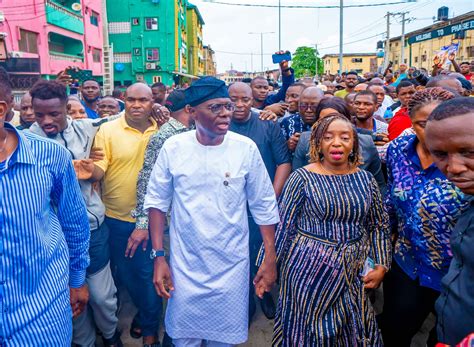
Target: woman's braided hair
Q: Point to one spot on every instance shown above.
(319, 129)
(427, 96)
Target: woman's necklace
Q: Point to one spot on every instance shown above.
(330, 172)
(4, 145)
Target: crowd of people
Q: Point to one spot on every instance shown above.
(352, 194)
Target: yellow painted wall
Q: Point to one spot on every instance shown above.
(194, 39)
(331, 63)
(422, 53)
(177, 32)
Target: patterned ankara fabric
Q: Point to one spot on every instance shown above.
(208, 188)
(423, 207)
(322, 243)
(170, 128)
(293, 124)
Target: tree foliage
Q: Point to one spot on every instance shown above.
(304, 62)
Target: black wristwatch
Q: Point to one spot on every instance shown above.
(155, 253)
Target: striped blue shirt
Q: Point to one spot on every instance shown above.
(44, 243)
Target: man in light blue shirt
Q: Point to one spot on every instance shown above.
(44, 239)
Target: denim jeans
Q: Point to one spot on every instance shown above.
(136, 274)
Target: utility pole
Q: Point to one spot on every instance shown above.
(341, 33)
(387, 43)
(279, 25)
(404, 20)
(261, 44)
(316, 53)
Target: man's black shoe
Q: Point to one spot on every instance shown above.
(114, 341)
(167, 341)
(268, 306)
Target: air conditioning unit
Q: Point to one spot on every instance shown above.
(150, 66)
(15, 54)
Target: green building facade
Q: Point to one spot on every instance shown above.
(148, 38)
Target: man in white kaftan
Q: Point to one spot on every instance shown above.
(208, 188)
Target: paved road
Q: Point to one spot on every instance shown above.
(260, 334)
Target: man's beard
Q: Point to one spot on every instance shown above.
(90, 101)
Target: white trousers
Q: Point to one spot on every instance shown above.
(198, 343)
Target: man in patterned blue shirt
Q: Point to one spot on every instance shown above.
(294, 125)
(45, 238)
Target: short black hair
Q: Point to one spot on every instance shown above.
(335, 103)
(465, 62)
(159, 85)
(5, 92)
(117, 92)
(5, 86)
(376, 85)
(367, 92)
(298, 84)
(452, 108)
(5, 77)
(258, 78)
(403, 84)
(89, 80)
(46, 90)
(352, 73)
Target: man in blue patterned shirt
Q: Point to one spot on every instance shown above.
(450, 131)
(45, 238)
(424, 207)
(294, 125)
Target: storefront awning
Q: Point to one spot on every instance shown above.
(186, 75)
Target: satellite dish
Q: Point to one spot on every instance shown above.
(76, 6)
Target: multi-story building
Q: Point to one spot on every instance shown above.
(231, 76)
(195, 45)
(41, 38)
(149, 40)
(359, 62)
(209, 61)
(421, 45)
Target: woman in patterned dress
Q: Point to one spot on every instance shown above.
(332, 220)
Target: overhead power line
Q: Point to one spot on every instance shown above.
(355, 41)
(303, 6)
(253, 53)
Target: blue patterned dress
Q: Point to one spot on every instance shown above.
(329, 226)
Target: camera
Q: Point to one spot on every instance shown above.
(420, 77)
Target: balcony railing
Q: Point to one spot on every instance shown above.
(63, 9)
(67, 57)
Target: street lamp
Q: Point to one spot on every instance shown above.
(261, 44)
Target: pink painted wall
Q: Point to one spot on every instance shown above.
(30, 15)
(93, 36)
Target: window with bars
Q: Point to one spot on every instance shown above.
(152, 54)
(96, 55)
(94, 18)
(357, 60)
(28, 41)
(151, 23)
(470, 51)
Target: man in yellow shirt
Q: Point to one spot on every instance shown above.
(351, 81)
(123, 142)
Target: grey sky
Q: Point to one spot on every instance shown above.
(227, 27)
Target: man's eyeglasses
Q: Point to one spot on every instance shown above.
(307, 106)
(218, 108)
